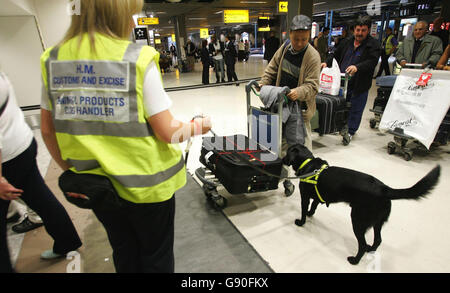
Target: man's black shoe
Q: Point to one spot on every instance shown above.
(25, 226)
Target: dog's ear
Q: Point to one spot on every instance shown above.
(290, 155)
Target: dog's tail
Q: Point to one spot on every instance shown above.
(420, 189)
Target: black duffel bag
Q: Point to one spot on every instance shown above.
(100, 192)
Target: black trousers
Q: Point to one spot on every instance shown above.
(141, 236)
(205, 73)
(384, 65)
(23, 173)
(231, 73)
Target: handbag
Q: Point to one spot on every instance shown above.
(100, 192)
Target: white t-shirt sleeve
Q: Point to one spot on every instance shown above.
(156, 99)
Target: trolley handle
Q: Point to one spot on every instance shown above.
(250, 84)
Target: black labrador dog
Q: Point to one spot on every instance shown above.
(369, 198)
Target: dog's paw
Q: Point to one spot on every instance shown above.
(353, 260)
(299, 222)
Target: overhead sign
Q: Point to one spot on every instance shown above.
(235, 16)
(283, 6)
(148, 20)
(157, 41)
(204, 33)
(173, 38)
(264, 29)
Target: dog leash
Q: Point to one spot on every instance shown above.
(243, 159)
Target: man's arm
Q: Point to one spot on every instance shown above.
(436, 51)
(400, 55)
(271, 71)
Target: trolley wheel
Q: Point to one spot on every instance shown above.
(391, 148)
(407, 155)
(373, 123)
(220, 202)
(208, 190)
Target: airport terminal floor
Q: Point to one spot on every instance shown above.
(256, 232)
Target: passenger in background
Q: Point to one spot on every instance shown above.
(190, 54)
(439, 32)
(247, 50)
(342, 37)
(357, 56)
(316, 39)
(230, 59)
(216, 49)
(272, 44)
(322, 44)
(204, 56)
(20, 178)
(241, 51)
(444, 62)
(387, 49)
(420, 48)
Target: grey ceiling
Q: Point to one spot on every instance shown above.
(207, 13)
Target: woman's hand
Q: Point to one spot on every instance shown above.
(202, 125)
(7, 191)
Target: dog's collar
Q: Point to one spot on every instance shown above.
(304, 163)
(313, 178)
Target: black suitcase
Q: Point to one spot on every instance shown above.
(333, 113)
(225, 156)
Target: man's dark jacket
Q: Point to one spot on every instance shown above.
(230, 53)
(272, 44)
(362, 80)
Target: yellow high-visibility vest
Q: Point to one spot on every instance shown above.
(98, 113)
(388, 46)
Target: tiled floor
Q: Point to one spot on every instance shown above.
(414, 239)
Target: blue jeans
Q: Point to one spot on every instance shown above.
(356, 111)
(219, 65)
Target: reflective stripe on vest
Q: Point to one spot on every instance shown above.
(130, 181)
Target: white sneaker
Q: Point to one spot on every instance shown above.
(49, 254)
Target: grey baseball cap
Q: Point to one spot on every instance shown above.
(300, 22)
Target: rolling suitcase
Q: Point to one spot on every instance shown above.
(228, 157)
(333, 113)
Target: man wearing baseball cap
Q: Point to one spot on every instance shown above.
(296, 64)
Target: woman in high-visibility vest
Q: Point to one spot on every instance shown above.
(105, 112)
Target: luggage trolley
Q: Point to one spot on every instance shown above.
(385, 85)
(243, 178)
(401, 140)
(333, 111)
